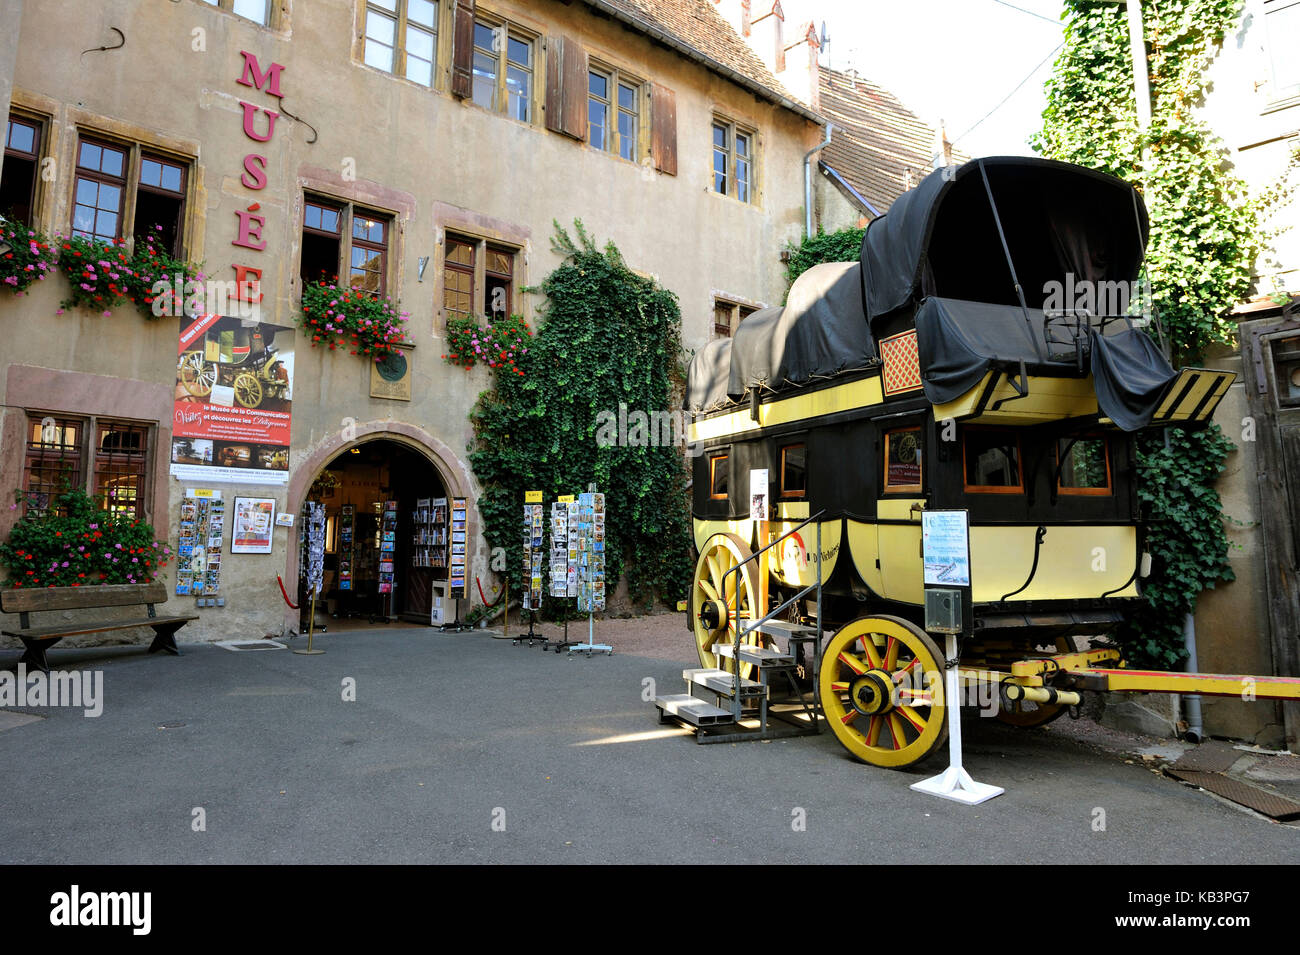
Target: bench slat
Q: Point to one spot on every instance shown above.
(72, 630)
(39, 600)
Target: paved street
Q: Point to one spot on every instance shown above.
(448, 729)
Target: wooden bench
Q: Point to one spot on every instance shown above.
(37, 640)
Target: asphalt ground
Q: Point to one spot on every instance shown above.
(464, 748)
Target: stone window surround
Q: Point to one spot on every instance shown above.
(486, 230)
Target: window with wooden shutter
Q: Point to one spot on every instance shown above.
(462, 53)
(566, 87)
(663, 128)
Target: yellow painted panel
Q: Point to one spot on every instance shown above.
(900, 562)
(898, 509)
(791, 562)
(1075, 562)
(1049, 399)
(797, 407)
(798, 510)
(863, 546)
(706, 529)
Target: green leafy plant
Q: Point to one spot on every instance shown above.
(499, 345)
(341, 317)
(842, 246)
(1205, 237)
(75, 543)
(610, 336)
(29, 257)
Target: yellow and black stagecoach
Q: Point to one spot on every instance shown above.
(957, 364)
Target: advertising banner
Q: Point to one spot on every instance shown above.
(234, 388)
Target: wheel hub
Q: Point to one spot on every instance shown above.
(713, 615)
(872, 693)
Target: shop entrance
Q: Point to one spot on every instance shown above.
(385, 535)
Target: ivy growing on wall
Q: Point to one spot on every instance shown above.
(842, 246)
(609, 337)
(1205, 237)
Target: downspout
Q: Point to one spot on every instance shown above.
(807, 181)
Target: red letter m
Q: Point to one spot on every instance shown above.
(253, 75)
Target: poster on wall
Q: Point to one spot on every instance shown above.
(254, 520)
(234, 389)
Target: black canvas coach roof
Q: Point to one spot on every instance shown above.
(941, 238)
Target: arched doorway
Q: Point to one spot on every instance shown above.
(386, 541)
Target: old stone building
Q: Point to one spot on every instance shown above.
(419, 149)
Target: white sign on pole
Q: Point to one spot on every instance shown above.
(945, 551)
(758, 494)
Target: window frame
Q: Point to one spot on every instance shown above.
(135, 153)
(737, 312)
(734, 129)
(479, 274)
(886, 487)
(615, 79)
(39, 127)
(800, 492)
(92, 463)
(348, 211)
(1107, 491)
(501, 91)
(125, 206)
(1288, 95)
(228, 6)
(713, 470)
(1018, 488)
(442, 30)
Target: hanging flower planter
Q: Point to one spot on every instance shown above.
(337, 317)
(498, 344)
(27, 259)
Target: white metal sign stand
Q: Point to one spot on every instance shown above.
(945, 547)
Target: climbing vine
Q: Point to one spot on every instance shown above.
(842, 246)
(610, 337)
(1205, 237)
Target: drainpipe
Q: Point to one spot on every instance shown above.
(1192, 701)
(807, 181)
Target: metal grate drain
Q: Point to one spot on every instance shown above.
(1273, 805)
(238, 645)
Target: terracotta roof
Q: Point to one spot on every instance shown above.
(696, 24)
(876, 138)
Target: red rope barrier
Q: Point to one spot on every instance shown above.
(285, 593)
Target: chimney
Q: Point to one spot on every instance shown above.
(735, 12)
(765, 33)
(801, 71)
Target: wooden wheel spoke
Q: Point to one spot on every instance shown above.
(840, 687)
(900, 675)
(915, 697)
(891, 653)
(869, 649)
(896, 730)
(849, 717)
(909, 714)
(707, 587)
(852, 663)
(873, 730)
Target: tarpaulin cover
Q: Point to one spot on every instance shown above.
(1130, 376)
(706, 378)
(958, 342)
(941, 238)
(821, 332)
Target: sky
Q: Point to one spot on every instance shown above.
(949, 60)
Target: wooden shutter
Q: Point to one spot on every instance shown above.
(462, 50)
(663, 128)
(566, 87)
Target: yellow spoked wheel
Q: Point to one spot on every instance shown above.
(248, 390)
(717, 612)
(881, 686)
(1027, 714)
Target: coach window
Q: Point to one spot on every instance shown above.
(903, 461)
(992, 462)
(1083, 466)
(719, 478)
(794, 461)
